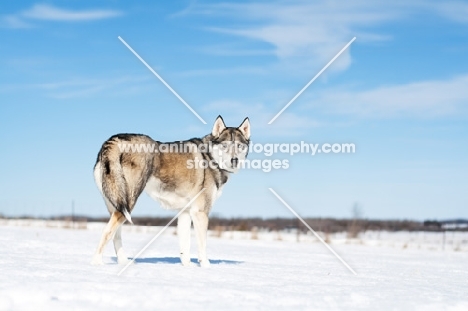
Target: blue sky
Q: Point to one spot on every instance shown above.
(399, 93)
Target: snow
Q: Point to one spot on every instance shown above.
(46, 266)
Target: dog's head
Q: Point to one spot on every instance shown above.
(230, 144)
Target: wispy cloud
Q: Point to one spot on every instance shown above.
(14, 22)
(305, 34)
(435, 98)
(84, 87)
(46, 12)
(51, 13)
(422, 99)
(233, 50)
(223, 71)
(456, 11)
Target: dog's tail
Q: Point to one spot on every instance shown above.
(114, 184)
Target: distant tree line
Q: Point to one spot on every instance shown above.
(327, 225)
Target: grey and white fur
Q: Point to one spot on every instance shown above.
(167, 178)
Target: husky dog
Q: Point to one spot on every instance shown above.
(171, 178)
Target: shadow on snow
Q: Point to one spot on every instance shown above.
(176, 261)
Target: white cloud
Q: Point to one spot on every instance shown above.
(433, 98)
(302, 34)
(233, 50)
(455, 11)
(47, 12)
(422, 99)
(307, 34)
(83, 87)
(13, 21)
(222, 71)
(51, 13)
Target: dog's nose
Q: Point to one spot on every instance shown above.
(234, 162)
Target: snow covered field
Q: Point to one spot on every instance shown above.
(44, 268)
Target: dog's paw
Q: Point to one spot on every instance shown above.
(204, 263)
(97, 260)
(185, 260)
(122, 258)
(124, 261)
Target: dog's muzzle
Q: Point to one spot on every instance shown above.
(234, 162)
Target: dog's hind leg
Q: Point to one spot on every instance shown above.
(122, 258)
(200, 224)
(184, 223)
(115, 221)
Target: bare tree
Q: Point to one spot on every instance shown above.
(357, 215)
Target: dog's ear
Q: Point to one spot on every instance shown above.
(245, 128)
(218, 127)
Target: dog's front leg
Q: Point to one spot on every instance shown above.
(184, 224)
(200, 224)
